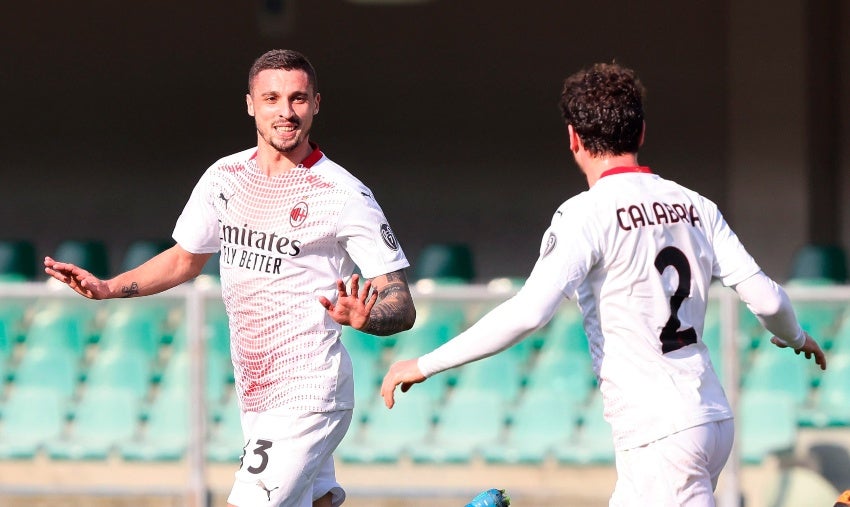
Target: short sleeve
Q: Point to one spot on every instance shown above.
(732, 263)
(368, 238)
(197, 227)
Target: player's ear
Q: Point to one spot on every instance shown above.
(250, 104)
(642, 134)
(575, 142)
(316, 107)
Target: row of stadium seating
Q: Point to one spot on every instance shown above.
(84, 379)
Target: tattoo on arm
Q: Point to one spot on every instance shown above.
(394, 311)
(132, 290)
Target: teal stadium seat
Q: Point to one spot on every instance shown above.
(31, 417)
(59, 326)
(91, 255)
(500, 373)
(164, 435)
(17, 261)
(138, 252)
(466, 423)
(451, 262)
(831, 406)
(541, 421)
(568, 376)
(781, 371)
(103, 418)
(226, 440)
(175, 377)
(139, 331)
(593, 442)
(55, 369)
(120, 370)
(768, 425)
(388, 435)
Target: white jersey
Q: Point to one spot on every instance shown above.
(284, 241)
(638, 252)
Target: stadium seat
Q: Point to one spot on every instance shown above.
(388, 435)
(138, 252)
(55, 369)
(445, 261)
(819, 262)
(165, 434)
(500, 373)
(138, 331)
(226, 440)
(466, 422)
(368, 373)
(103, 418)
(62, 327)
(540, 421)
(568, 376)
(91, 255)
(17, 261)
(31, 417)
(593, 442)
(831, 407)
(565, 332)
(775, 370)
(175, 377)
(768, 425)
(120, 369)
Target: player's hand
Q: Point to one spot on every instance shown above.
(351, 309)
(406, 373)
(810, 348)
(77, 278)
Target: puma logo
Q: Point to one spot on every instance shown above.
(223, 198)
(267, 490)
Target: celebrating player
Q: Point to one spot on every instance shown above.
(637, 252)
(290, 225)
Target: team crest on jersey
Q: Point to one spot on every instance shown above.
(550, 244)
(298, 214)
(389, 237)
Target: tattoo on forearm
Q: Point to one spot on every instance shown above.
(132, 290)
(394, 311)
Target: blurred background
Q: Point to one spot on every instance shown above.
(448, 111)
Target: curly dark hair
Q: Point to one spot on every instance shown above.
(285, 59)
(604, 104)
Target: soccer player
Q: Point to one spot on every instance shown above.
(637, 253)
(291, 226)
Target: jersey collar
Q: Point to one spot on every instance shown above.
(308, 162)
(626, 169)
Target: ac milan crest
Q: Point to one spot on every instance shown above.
(298, 214)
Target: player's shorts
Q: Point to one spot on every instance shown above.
(288, 459)
(677, 471)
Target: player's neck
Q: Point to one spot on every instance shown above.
(593, 167)
(273, 162)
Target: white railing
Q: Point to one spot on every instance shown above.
(193, 295)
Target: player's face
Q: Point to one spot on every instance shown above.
(283, 103)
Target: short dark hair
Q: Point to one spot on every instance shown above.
(604, 104)
(285, 59)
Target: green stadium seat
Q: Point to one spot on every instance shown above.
(138, 331)
(60, 327)
(175, 377)
(466, 422)
(31, 417)
(103, 418)
(500, 373)
(56, 369)
(768, 425)
(565, 332)
(17, 261)
(165, 434)
(593, 442)
(540, 421)
(819, 262)
(387, 435)
(445, 261)
(368, 373)
(568, 376)
(226, 439)
(120, 369)
(91, 255)
(775, 370)
(831, 406)
(140, 251)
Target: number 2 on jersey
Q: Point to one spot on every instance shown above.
(671, 338)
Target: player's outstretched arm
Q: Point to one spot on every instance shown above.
(810, 349)
(406, 373)
(386, 310)
(162, 272)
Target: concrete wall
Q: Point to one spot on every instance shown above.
(448, 110)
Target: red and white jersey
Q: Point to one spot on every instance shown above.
(284, 241)
(638, 253)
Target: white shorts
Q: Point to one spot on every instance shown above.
(677, 471)
(288, 460)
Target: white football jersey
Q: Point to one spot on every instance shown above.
(638, 252)
(284, 241)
